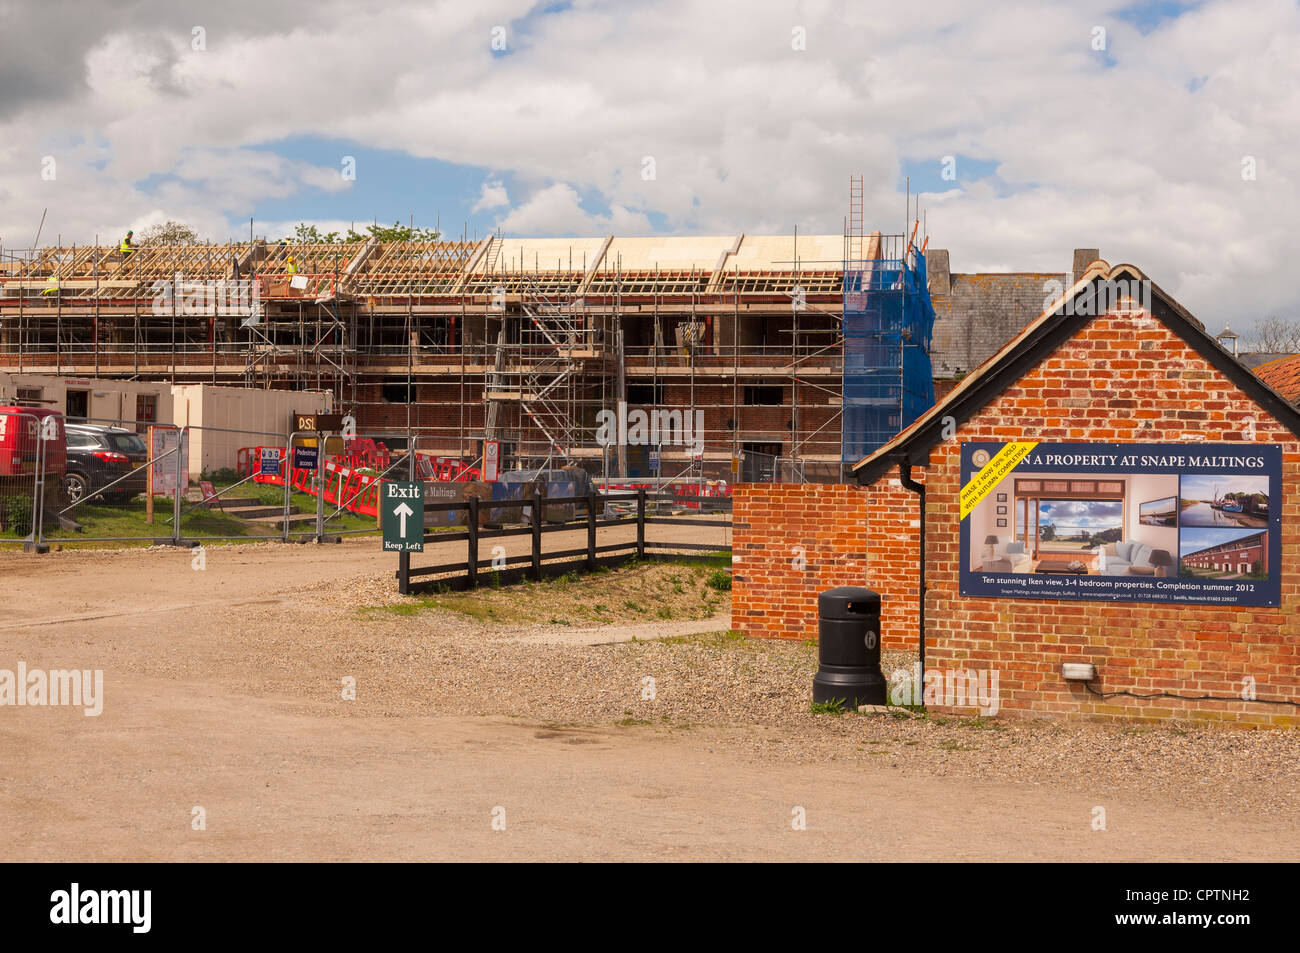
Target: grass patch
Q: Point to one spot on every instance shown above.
(647, 590)
(128, 522)
(720, 580)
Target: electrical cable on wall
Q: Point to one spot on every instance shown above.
(1193, 698)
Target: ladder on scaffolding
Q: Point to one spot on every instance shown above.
(854, 249)
(544, 372)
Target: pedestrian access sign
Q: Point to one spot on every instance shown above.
(403, 519)
(305, 458)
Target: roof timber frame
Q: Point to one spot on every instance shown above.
(391, 270)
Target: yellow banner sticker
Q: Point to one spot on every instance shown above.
(991, 474)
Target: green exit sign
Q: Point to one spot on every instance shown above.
(403, 516)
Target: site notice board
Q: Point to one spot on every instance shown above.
(1151, 522)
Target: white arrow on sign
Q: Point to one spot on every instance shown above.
(403, 511)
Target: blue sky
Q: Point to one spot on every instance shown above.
(390, 185)
(1194, 540)
(1205, 487)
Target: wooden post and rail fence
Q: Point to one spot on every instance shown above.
(465, 574)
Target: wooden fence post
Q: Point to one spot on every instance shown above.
(591, 528)
(472, 526)
(537, 532)
(640, 523)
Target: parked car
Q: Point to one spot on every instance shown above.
(97, 456)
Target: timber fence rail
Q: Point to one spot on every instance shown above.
(539, 563)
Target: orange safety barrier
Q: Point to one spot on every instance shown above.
(342, 485)
(683, 493)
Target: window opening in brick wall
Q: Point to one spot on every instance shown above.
(763, 396)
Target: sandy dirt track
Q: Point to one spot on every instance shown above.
(222, 692)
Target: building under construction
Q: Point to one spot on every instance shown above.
(797, 352)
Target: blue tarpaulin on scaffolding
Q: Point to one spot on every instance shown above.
(888, 321)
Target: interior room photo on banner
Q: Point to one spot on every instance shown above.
(1132, 522)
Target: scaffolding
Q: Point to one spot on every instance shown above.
(524, 341)
(888, 322)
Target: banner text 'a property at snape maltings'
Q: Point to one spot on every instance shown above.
(1137, 522)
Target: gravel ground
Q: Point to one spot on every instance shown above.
(261, 630)
(752, 695)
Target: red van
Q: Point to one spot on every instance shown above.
(20, 432)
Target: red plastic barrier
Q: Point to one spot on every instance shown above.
(356, 492)
(684, 494)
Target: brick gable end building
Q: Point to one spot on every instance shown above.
(1126, 376)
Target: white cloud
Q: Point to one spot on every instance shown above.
(747, 134)
(491, 195)
(556, 210)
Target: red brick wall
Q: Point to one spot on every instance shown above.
(1121, 379)
(846, 536)
(777, 524)
(1117, 380)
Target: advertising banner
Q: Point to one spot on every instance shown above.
(1131, 522)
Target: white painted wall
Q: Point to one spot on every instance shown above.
(1143, 488)
(228, 418)
(109, 401)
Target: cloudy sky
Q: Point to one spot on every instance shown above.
(1162, 133)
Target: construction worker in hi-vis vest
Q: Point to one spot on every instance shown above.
(51, 284)
(126, 248)
(293, 268)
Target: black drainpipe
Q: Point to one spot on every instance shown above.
(905, 478)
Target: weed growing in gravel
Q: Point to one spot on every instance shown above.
(720, 580)
(833, 707)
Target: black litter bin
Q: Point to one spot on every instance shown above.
(848, 648)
